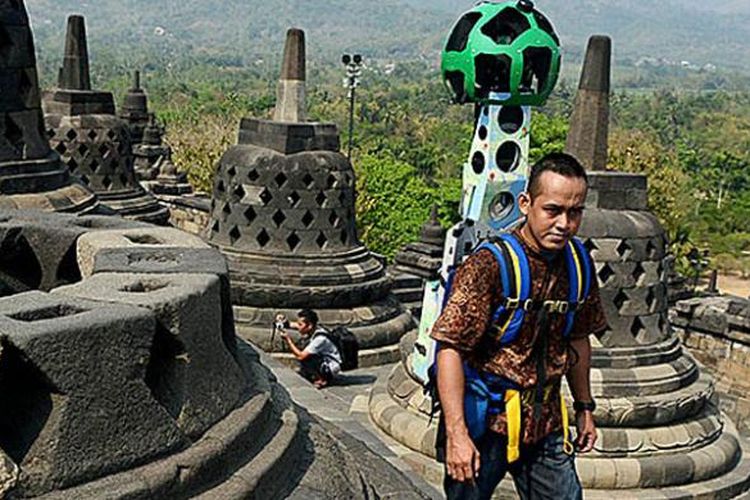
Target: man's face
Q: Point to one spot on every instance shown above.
(554, 214)
(304, 327)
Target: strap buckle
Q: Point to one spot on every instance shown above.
(557, 306)
(512, 303)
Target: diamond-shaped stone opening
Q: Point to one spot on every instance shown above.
(234, 234)
(266, 197)
(227, 208)
(220, 186)
(330, 181)
(620, 299)
(334, 219)
(103, 149)
(321, 240)
(61, 148)
(50, 133)
(71, 134)
(637, 328)
(623, 249)
(263, 239)
(308, 180)
(320, 199)
(308, 219)
(638, 272)
(278, 218)
(111, 135)
(342, 197)
(280, 179)
(231, 172)
(92, 136)
(650, 299)
(239, 191)
(215, 227)
(605, 273)
(253, 175)
(106, 182)
(590, 246)
(651, 248)
(250, 215)
(72, 164)
(94, 165)
(293, 241)
(294, 198)
(506, 26)
(344, 237)
(124, 181)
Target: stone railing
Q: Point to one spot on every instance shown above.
(717, 332)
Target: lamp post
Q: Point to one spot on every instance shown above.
(353, 65)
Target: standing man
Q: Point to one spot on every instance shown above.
(320, 361)
(534, 363)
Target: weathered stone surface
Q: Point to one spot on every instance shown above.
(93, 247)
(589, 125)
(8, 471)
(199, 382)
(63, 424)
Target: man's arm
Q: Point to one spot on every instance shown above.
(296, 351)
(462, 456)
(579, 381)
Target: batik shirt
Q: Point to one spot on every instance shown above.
(465, 325)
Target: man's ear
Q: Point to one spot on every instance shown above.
(524, 202)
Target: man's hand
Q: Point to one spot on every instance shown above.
(462, 458)
(586, 437)
(284, 335)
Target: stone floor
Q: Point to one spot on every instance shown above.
(345, 405)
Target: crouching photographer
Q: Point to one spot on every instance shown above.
(320, 361)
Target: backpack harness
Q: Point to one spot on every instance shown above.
(489, 394)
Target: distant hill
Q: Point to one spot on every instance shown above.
(248, 31)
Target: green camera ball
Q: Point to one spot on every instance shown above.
(506, 48)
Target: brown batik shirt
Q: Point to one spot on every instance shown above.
(465, 325)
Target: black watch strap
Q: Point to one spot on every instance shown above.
(580, 406)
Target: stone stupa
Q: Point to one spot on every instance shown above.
(92, 140)
(283, 216)
(661, 434)
(31, 174)
(417, 263)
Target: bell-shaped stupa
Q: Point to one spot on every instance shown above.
(31, 174)
(92, 140)
(283, 215)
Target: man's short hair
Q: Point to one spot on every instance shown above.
(308, 315)
(559, 163)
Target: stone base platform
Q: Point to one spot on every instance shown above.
(266, 448)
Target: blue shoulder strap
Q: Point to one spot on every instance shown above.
(579, 277)
(515, 276)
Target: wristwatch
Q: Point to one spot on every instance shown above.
(580, 406)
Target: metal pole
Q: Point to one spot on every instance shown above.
(351, 121)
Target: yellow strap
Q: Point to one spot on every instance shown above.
(517, 272)
(513, 418)
(577, 262)
(567, 445)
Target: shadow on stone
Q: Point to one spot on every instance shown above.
(345, 380)
(19, 267)
(165, 373)
(26, 399)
